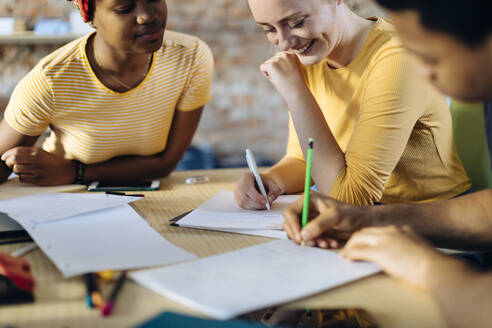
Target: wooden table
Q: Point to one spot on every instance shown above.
(60, 302)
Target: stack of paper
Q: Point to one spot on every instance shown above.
(91, 232)
(226, 285)
(48, 207)
(223, 214)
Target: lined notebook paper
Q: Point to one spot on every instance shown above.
(226, 285)
(91, 232)
(221, 213)
(115, 238)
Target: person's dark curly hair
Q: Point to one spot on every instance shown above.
(465, 20)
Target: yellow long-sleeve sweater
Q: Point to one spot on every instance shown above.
(394, 128)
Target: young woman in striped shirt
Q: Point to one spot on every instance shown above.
(122, 102)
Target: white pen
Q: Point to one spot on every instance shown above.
(250, 158)
(24, 250)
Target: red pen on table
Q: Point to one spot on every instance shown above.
(108, 306)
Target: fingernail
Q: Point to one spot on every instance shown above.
(323, 244)
(306, 235)
(333, 244)
(310, 243)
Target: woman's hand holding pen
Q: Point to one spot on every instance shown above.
(247, 195)
(284, 71)
(35, 165)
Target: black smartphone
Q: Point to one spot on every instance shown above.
(133, 186)
(312, 318)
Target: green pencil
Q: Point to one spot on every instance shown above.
(307, 183)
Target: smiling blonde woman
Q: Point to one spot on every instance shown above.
(382, 134)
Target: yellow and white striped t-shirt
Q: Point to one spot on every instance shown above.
(92, 123)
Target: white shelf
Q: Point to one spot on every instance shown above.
(31, 38)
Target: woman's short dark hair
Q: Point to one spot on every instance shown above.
(467, 21)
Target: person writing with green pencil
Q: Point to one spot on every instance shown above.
(452, 41)
(307, 184)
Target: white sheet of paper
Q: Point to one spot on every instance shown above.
(48, 207)
(222, 212)
(12, 188)
(277, 234)
(226, 285)
(115, 238)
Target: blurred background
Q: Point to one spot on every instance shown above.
(245, 111)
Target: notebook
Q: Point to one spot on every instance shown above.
(227, 285)
(221, 213)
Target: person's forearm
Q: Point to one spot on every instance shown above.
(288, 174)
(10, 138)
(463, 222)
(462, 294)
(132, 168)
(328, 158)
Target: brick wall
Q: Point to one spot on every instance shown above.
(245, 111)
